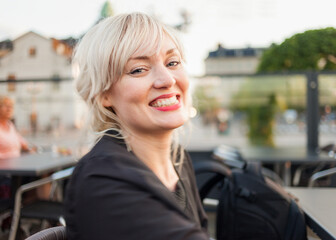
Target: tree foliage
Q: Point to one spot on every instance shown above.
(260, 120)
(106, 11)
(310, 50)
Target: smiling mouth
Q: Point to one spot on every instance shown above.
(166, 102)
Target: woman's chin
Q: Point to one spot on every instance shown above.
(171, 125)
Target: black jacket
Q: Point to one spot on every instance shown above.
(114, 195)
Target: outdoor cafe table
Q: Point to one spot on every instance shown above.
(284, 157)
(319, 206)
(33, 165)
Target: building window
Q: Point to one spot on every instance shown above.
(56, 82)
(11, 83)
(32, 52)
(60, 49)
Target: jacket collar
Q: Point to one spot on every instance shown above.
(131, 169)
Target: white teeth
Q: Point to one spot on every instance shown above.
(165, 102)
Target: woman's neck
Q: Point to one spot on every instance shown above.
(155, 152)
(4, 123)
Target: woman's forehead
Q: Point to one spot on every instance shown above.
(165, 45)
(6, 101)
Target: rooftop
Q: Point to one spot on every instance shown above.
(235, 52)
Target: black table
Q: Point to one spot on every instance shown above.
(33, 165)
(283, 158)
(318, 205)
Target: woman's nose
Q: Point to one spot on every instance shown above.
(163, 78)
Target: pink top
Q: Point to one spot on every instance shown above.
(10, 142)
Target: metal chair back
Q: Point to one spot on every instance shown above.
(33, 210)
(54, 233)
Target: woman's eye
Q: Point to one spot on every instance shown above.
(173, 63)
(137, 71)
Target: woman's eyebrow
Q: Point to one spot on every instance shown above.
(171, 51)
(139, 58)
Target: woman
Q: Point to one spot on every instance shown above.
(11, 142)
(135, 183)
(11, 146)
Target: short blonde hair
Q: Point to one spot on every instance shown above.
(4, 98)
(102, 54)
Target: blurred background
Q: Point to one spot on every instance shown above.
(262, 72)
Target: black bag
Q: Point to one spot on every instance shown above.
(250, 205)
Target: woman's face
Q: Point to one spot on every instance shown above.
(6, 109)
(152, 94)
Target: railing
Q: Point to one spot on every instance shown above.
(307, 99)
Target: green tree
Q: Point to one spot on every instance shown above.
(260, 120)
(310, 50)
(261, 98)
(106, 11)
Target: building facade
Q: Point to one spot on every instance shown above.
(36, 72)
(225, 61)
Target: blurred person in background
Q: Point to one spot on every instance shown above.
(11, 142)
(136, 182)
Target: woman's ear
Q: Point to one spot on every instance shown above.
(107, 100)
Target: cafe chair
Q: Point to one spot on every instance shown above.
(233, 158)
(5, 213)
(5, 200)
(50, 210)
(312, 168)
(319, 175)
(53, 233)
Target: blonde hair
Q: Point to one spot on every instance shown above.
(4, 98)
(101, 57)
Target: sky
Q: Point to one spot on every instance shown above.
(233, 23)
